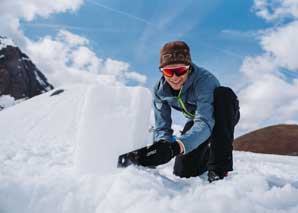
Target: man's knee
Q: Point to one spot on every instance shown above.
(225, 96)
(224, 92)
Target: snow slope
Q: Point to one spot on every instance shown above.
(38, 170)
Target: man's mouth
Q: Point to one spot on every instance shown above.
(176, 83)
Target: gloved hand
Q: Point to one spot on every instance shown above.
(158, 153)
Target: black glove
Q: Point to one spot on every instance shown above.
(158, 153)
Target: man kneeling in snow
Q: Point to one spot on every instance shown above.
(212, 111)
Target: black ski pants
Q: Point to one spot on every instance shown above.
(216, 152)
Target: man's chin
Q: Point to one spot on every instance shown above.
(176, 87)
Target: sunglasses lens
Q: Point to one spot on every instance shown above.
(181, 71)
(169, 72)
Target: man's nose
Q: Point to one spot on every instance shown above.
(174, 77)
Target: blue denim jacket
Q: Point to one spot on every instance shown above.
(197, 96)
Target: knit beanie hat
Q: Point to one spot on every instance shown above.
(175, 52)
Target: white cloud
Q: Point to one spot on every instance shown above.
(72, 39)
(254, 67)
(268, 97)
(267, 100)
(272, 10)
(11, 12)
(66, 58)
(282, 42)
(136, 76)
(85, 59)
(9, 27)
(120, 70)
(113, 67)
(29, 9)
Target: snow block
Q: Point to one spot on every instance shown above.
(114, 120)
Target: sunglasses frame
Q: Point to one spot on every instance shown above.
(174, 72)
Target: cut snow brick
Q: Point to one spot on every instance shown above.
(114, 120)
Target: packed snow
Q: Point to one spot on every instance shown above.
(6, 101)
(40, 144)
(115, 120)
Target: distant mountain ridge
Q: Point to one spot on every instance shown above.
(279, 139)
(19, 77)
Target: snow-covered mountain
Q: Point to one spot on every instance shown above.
(40, 151)
(19, 77)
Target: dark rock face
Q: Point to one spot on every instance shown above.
(279, 139)
(19, 77)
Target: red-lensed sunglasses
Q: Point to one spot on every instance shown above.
(179, 71)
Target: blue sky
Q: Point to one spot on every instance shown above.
(220, 33)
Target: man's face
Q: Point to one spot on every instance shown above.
(176, 82)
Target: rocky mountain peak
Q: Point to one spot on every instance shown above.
(19, 77)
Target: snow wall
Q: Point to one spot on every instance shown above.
(114, 120)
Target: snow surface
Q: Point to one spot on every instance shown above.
(38, 168)
(4, 42)
(6, 101)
